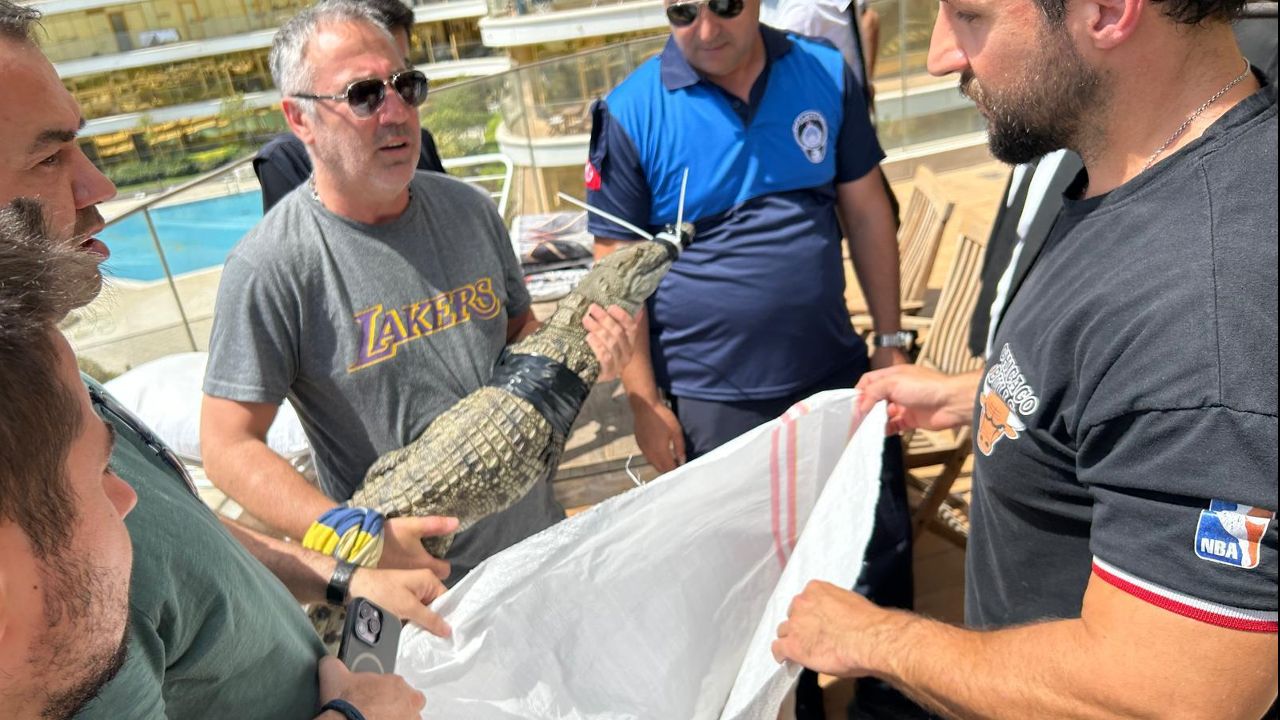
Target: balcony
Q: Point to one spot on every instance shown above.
(425, 11)
(134, 35)
(145, 26)
(133, 121)
(513, 23)
(165, 54)
(129, 100)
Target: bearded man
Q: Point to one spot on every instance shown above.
(67, 583)
(1125, 476)
(64, 551)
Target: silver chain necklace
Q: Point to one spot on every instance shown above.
(315, 194)
(1192, 117)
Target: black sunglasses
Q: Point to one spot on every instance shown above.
(682, 14)
(366, 96)
(116, 414)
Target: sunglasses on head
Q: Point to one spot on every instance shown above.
(366, 96)
(116, 414)
(682, 14)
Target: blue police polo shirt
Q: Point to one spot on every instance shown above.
(754, 308)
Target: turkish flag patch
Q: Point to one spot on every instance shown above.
(591, 176)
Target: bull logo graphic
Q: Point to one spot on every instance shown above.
(996, 422)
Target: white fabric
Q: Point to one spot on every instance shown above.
(165, 394)
(662, 603)
(827, 19)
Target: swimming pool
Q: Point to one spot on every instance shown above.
(194, 235)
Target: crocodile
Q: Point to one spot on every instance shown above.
(489, 449)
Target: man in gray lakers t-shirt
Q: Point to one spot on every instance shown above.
(372, 331)
(373, 297)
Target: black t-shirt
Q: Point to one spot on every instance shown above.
(1126, 425)
(283, 164)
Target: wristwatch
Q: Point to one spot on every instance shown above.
(903, 340)
(339, 583)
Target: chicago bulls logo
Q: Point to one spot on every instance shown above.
(996, 421)
(1006, 399)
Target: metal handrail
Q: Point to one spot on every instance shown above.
(154, 200)
(485, 159)
(145, 208)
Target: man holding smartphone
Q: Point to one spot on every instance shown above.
(211, 632)
(65, 553)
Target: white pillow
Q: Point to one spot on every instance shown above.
(165, 394)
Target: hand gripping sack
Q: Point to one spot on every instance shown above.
(661, 604)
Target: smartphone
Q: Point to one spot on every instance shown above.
(370, 638)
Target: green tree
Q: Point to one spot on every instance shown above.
(462, 118)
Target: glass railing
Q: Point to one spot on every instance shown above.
(452, 51)
(912, 107)
(553, 98)
(99, 41)
(166, 255)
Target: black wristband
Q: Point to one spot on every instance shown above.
(339, 583)
(348, 710)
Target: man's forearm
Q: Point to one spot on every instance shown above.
(522, 326)
(1063, 668)
(969, 674)
(873, 246)
(962, 389)
(306, 573)
(267, 486)
(873, 250)
(637, 376)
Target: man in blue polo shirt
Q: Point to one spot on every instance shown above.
(774, 131)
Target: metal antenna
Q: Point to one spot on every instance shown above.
(605, 215)
(680, 210)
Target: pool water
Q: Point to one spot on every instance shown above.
(194, 235)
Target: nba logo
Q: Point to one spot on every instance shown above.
(1231, 534)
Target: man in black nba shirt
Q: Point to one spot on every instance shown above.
(1122, 559)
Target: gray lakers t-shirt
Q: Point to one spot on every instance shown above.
(371, 331)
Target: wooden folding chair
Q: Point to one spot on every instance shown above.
(946, 349)
(923, 220)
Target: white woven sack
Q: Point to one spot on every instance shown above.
(660, 604)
